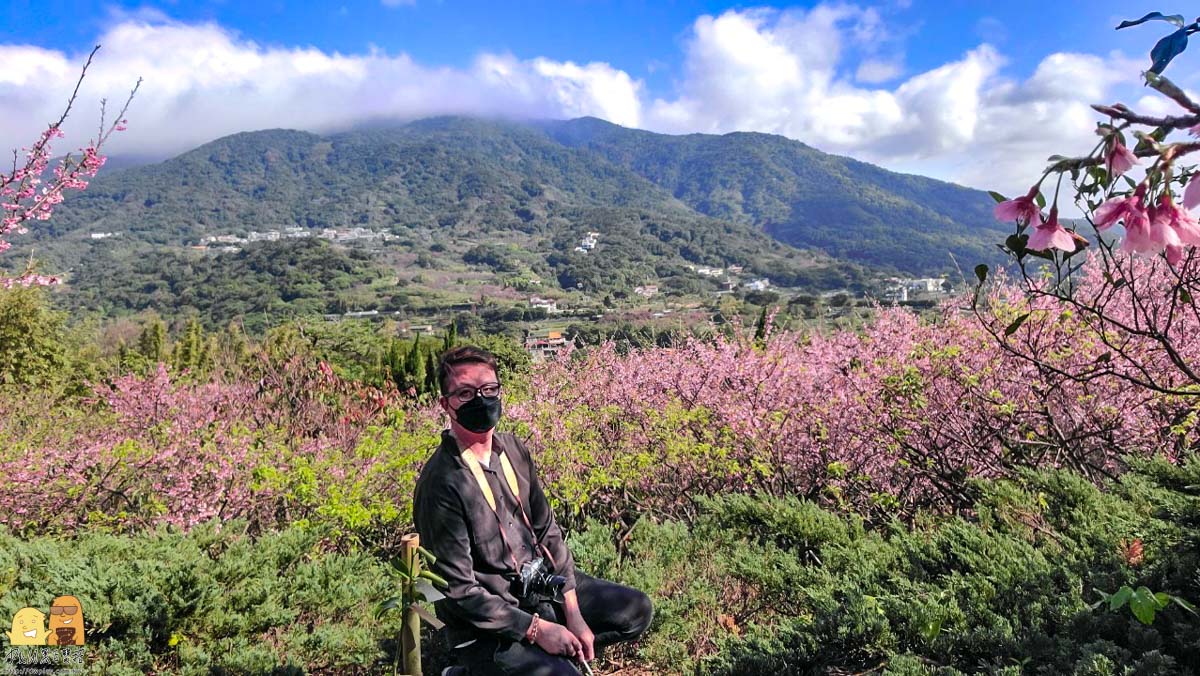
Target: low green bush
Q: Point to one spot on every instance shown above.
(210, 601)
(751, 586)
(760, 586)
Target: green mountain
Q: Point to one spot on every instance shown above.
(451, 182)
(806, 198)
(474, 209)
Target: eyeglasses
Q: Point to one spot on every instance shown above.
(464, 394)
(63, 610)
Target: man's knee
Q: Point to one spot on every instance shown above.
(643, 615)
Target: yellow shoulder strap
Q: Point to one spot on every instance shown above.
(509, 476)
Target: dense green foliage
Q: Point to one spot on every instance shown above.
(263, 284)
(442, 186)
(756, 587)
(211, 601)
(802, 196)
(749, 587)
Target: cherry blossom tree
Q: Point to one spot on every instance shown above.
(1133, 288)
(26, 194)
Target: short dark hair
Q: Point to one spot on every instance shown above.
(463, 354)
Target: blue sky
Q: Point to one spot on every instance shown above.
(966, 91)
(641, 38)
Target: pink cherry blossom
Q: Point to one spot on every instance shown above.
(1191, 194)
(1180, 220)
(1142, 235)
(1051, 235)
(1023, 209)
(1119, 159)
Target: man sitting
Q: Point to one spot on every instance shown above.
(515, 603)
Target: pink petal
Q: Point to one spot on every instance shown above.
(1107, 214)
(1051, 237)
(1120, 159)
(1191, 194)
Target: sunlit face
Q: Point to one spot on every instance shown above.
(472, 376)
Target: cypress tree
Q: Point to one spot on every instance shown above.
(416, 366)
(431, 382)
(152, 342)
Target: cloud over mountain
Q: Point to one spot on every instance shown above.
(827, 76)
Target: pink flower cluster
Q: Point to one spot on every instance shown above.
(891, 419)
(1149, 227)
(154, 450)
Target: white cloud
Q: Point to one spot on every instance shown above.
(786, 73)
(874, 71)
(202, 82)
(810, 75)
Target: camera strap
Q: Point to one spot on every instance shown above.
(510, 477)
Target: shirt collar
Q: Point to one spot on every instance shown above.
(450, 445)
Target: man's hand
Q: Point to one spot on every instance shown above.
(584, 633)
(557, 639)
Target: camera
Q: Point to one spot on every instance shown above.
(535, 581)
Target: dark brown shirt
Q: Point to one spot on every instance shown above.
(458, 526)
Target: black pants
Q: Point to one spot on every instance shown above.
(614, 613)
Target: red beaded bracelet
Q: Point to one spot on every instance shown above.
(531, 634)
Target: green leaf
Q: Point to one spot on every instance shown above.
(1120, 598)
(401, 567)
(1040, 199)
(1185, 605)
(1167, 49)
(393, 603)
(1176, 19)
(981, 272)
(1184, 296)
(1016, 244)
(1144, 605)
(997, 196)
(931, 628)
(1012, 328)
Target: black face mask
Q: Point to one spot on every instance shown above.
(480, 414)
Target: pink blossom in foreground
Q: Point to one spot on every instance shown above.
(1119, 159)
(1023, 209)
(1174, 255)
(1141, 234)
(1051, 235)
(1191, 194)
(1180, 220)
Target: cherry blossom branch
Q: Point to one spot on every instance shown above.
(20, 198)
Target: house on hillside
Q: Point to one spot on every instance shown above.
(540, 347)
(545, 304)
